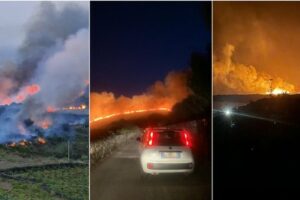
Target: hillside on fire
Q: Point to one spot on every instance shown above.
(150, 78)
(44, 100)
(182, 100)
(183, 96)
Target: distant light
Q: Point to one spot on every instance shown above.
(227, 112)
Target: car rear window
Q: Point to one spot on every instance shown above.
(169, 138)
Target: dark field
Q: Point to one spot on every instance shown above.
(256, 158)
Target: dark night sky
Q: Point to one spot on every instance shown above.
(133, 44)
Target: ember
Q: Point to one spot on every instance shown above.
(23, 143)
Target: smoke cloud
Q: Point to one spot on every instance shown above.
(265, 36)
(51, 69)
(159, 95)
(232, 78)
(48, 29)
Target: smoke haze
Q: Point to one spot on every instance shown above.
(51, 69)
(264, 40)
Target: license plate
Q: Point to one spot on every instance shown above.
(170, 154)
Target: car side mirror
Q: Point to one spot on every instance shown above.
(138, 139)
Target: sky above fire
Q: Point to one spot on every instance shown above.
(253, 43)
(135, 44)
(12, 25)
(14, 18)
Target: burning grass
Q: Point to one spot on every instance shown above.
(54, 147)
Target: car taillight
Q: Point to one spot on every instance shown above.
(150, 138)
(150, 165)
(187, 140)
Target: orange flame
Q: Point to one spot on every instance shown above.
(6, 101)
(44, 124)
(13, 144)
(51, 109)
(161, 96)
(130, 112)
(23, 143)
(81, 107)
(41, 140)
(278, 91)
(236, 78)
(32, 89)
(22, 95)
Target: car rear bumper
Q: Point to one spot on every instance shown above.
(153, 162)
(169, 166)
(160, 168)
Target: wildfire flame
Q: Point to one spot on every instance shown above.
(23, 143)
(278, 91)
(231, 77)
(44, 124)
(160, 96)
(22, 95)
(13, 144)
(130, 112)
(41, 140)
(51, 109)
(81, 107)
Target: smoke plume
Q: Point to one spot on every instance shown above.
(48, 28)
(265, 39)
(231, 78)
(51, 69)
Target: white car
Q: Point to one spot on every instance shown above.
(164, 150)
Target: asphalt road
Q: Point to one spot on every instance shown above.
(118, 178)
